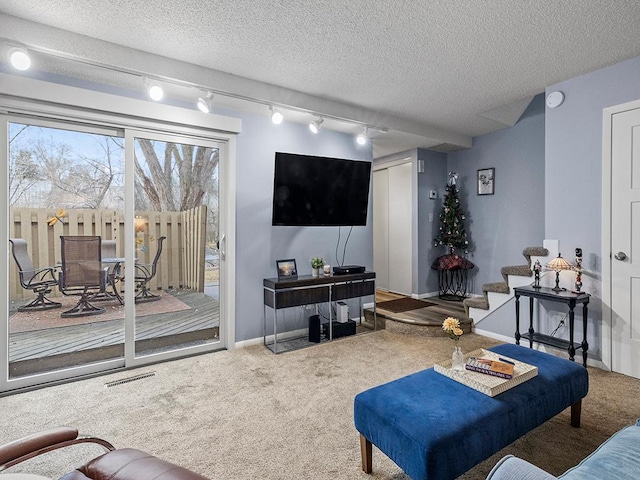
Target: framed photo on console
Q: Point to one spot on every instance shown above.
(287, 269)
(486, 180)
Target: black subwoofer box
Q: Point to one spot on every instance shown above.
(314, 328)
(340, 329)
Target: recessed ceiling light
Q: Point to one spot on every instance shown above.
(19, 59)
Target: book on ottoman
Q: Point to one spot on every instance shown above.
(488, 384)
(498, 368)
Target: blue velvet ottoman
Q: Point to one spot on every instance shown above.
(436, 428)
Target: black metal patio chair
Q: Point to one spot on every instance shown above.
(144, 274)
(113, 265)
(82, 273)
(39, 280)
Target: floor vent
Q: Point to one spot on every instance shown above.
(129, 379)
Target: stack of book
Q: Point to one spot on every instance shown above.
(484, 382)
(498, 368)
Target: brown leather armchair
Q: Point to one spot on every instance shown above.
(116, 464)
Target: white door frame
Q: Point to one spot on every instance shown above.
(387, 164)
(607, 122)
(131, 359)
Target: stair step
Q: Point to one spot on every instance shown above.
(482, 303)
(518, 270)
(426, 322)
(497, 287)
(535, 252)
(477, 302)
(423, 328)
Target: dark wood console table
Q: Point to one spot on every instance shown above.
(566, 297)
(308, 290)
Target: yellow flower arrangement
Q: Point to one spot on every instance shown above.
(452, 327)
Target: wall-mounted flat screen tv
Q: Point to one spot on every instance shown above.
(320, 191)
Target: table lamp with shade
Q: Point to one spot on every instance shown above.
(557, 265)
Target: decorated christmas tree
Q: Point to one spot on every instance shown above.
(452, 233)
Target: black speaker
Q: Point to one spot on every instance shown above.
(340, 329)
(314, 328)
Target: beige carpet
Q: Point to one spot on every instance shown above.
(249, 414)
(33, 321)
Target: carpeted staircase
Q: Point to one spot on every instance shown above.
(503, 287)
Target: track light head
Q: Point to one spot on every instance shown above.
(276, 116)
(314, 125)
(19, 59)
(205, 104)
(363, 137)
(155, 92)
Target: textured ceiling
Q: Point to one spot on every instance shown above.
(426, 68)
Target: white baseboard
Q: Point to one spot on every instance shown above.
(495, 336)
(281, 336)
(558, 352)
(420, 296)
(249, 343)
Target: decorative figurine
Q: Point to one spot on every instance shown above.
(536, 272)
(578, 270)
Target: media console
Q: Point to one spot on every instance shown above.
(308, 290)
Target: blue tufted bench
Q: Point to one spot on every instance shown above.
(436, 428)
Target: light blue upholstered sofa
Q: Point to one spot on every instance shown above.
(618, 458)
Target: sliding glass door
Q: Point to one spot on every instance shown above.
(175, 260)
(63, 182)
(146, 284)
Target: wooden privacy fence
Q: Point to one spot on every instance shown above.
(181, 264)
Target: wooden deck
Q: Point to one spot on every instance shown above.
(61, 346)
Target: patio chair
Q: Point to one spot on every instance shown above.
(116, 464)
(39, 280)
(144, 274)
(114, 271)
(82, 273)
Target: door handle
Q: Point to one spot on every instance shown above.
(222, 244)
(620, 256)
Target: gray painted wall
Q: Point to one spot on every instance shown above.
(433, 178)
(258, 243)
(500, 226)
(573, 184)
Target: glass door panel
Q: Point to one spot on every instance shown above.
(63, 182)
(175, 269)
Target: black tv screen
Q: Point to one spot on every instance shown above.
(320, 191)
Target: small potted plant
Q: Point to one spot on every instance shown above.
(316, 265)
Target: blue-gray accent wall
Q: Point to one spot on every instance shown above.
(501, 225)
(573, 184)
(434, 178)
(258, 243)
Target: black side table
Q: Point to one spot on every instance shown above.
(569, 298)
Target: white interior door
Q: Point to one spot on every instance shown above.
(381, 228)
(400, 245)
(392, 213)
(625, 243)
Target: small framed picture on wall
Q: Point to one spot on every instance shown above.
(287, 269)
(486, 181)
